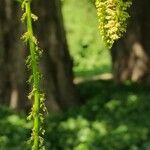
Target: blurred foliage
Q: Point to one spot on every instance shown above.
(13, 130)
(115, 117)
(85, 44)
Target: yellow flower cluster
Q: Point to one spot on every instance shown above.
(112, 15)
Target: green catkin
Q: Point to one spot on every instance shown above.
(32, 63)
(113, 16)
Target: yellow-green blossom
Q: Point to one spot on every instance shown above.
(112, 15)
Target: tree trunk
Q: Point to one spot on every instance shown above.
(57, 63)
(12, 68)
(131, 54)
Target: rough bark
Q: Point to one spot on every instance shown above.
(131, 54)
(56, 62)
(56, 58)
(12, 68)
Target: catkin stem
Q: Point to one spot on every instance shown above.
(34, 65)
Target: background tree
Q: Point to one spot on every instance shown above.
(12, 68)
(57, 64)
(130, 55)
(113, 116)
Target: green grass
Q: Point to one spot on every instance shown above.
(113, 117)
(92, 72)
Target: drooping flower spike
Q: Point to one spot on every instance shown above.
(113, 16)
(32, 63)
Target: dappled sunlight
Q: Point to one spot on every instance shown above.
(14, 98)
(138, 50)
(132, 99)
(97, 98)
(112, 105)
(104, 76)
(114, 117)
(14, 129)
(140, 61)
